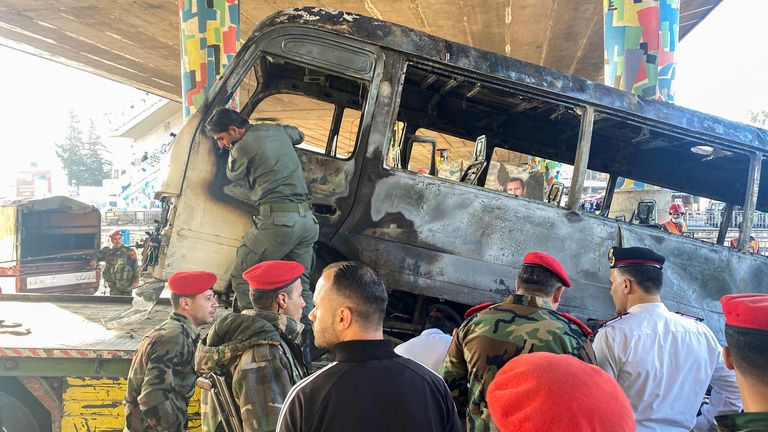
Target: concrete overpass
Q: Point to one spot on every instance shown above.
(137, 42)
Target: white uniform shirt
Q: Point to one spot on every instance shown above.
(428, 348)
(664, 363)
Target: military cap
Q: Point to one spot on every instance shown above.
(543, 391)
(273, 275)
(115, 234)
(746, 311)
(475, 309)
(191, 283)
(445, 312)
(548, 262)
(634, 256)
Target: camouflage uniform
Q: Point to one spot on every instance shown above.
(261, 355)
(162, 378)
(121, 270)
(489, 339)
(744, 422)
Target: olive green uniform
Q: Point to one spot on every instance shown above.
(285, 228)
(489, 339)
(162, 378)
(744, 422)
(121, 271)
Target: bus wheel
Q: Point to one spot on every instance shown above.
(19, 410)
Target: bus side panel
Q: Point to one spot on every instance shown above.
(96, 404)
(206, 229)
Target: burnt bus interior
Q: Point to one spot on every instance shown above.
(440, 116)
(460, 109)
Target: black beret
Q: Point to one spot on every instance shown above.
(634, 256)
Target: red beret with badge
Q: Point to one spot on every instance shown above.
(191, 283)
(550, 263)
(746, 311)
(273, 275)
(542, 391)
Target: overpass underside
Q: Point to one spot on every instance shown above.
(137, 42)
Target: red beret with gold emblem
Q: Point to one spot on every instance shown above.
(548, 262)
(542, 391)
(748, 311)
(273, 275)
(191, 283)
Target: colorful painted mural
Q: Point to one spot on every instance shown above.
(552, 170)
(210, 35)
(640, 42)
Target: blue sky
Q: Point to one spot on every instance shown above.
(721, 68)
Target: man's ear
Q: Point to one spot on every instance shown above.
(727, 358)
(344, 317)
(558, 294)
(282, 300)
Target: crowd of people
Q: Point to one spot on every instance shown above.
(517, 365)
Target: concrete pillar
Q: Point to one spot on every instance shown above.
(210, 36)
(640, 42)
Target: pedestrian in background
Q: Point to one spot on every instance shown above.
(162, 378)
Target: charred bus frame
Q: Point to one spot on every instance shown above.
(373, 85)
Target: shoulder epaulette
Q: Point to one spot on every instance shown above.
(693, 317)
(610, 320)
(581, 325)
(475, 309)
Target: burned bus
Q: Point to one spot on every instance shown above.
(408, 140)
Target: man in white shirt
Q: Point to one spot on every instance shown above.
(662, 360)
(430, 346)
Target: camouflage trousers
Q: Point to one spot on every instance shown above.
(120, 288)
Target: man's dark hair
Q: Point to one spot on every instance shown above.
(537, 280)
(175, 300)
(749, 350)
(222, 119)
(647, 278)
(263, 300)
(516, 179)
(363, 288)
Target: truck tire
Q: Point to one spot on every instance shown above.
(20, 411)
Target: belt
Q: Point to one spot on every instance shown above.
(300, 208)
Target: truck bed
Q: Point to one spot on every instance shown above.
(73, 326)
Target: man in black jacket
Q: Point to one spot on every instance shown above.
(368, 387)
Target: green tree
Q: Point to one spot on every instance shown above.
(80, 154)
(758, 118)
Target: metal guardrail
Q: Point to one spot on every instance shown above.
(130, 217)
(713, 219)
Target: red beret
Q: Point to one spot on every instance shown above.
(548, 262)
(746, 311)
(115, 234)
(273, 275)
(542, 391)
(191, 283)
(475, 309)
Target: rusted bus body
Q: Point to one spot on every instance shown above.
(435, 237)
